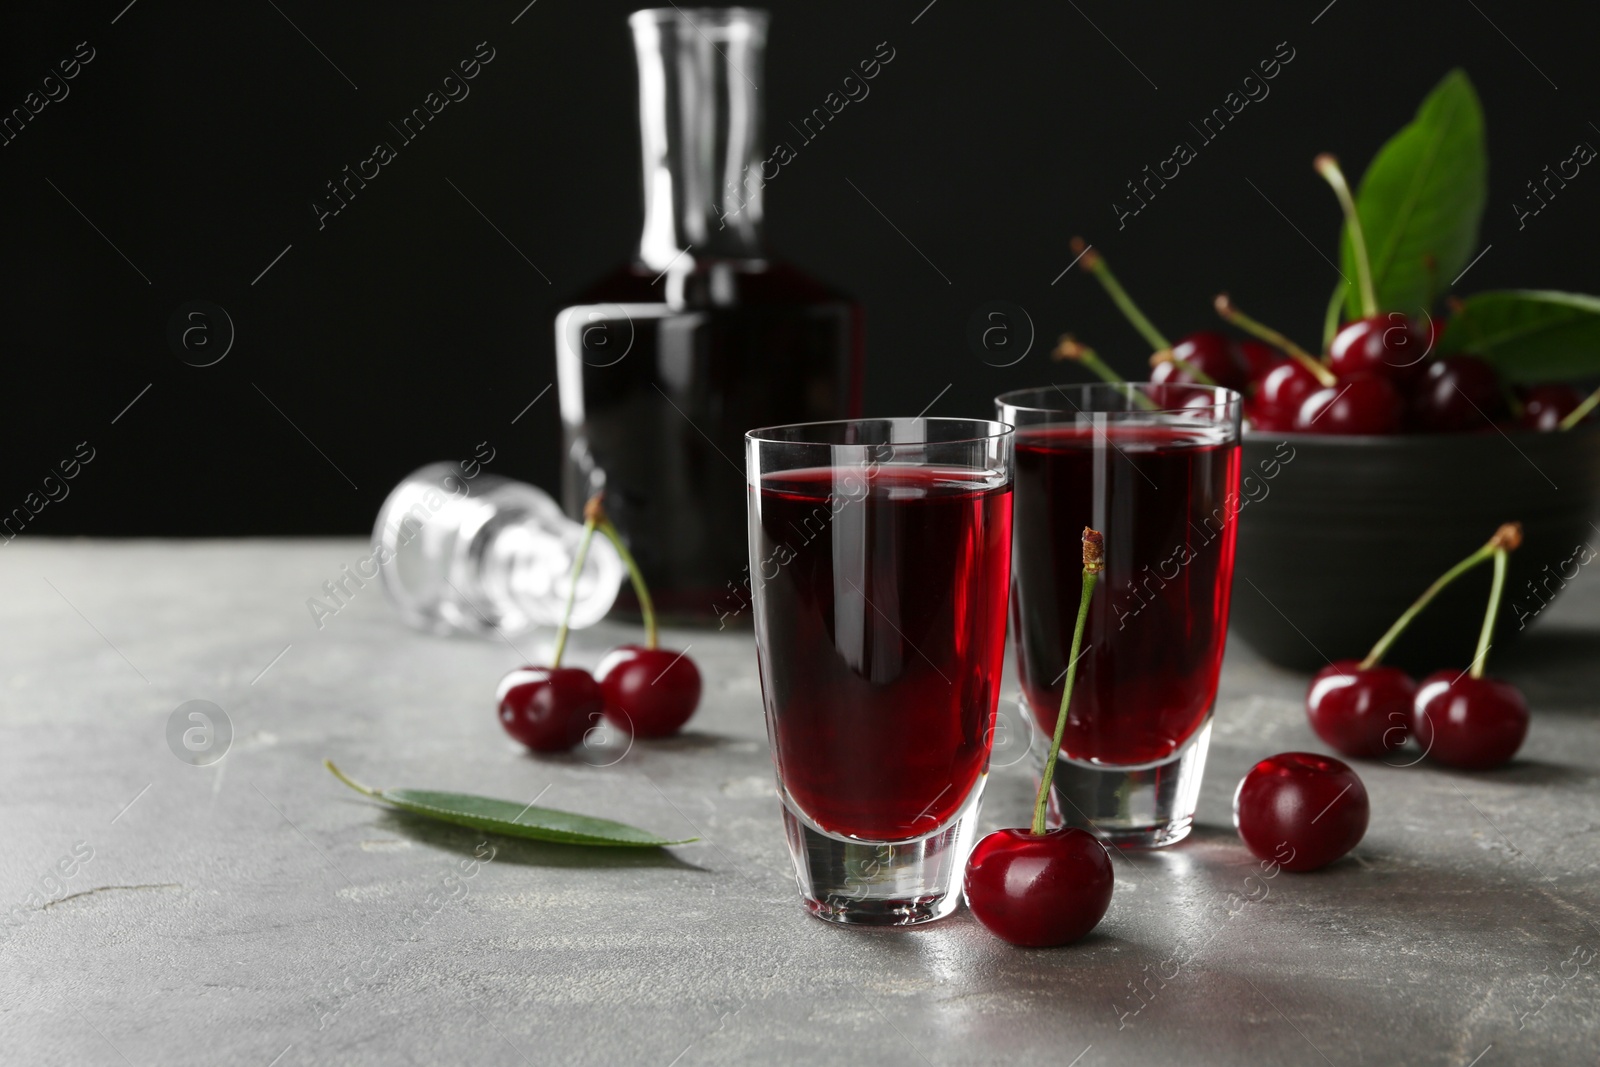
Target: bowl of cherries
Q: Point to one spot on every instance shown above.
(1426, 418)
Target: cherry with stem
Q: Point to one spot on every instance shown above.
(1036, 887)
(648, 691)
(1366, 710)
(1390, 346)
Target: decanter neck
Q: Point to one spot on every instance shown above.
(700, 76)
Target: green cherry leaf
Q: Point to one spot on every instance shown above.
(510, 818)
(1421, 201)
(1529, 336)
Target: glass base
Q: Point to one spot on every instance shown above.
(1131, 807)
(882, 883)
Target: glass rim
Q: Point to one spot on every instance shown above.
(1221, 395)
(700, 16)
(766, 434)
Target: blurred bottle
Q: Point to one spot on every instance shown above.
(666, 362)
(485, 553)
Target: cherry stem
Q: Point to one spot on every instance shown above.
(1093, 564)
(647, 607)
(1480, 660)
(1328, 167)
(1069, 348)
(1311, 363)
(1330, 317)
(351, 782)
(1581, 412)
(1095, 264)
(1505, 539)
(572, 590)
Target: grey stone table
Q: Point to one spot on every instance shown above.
(255, 912)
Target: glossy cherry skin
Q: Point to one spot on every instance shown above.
(548, 710)
(1544, 406)
(1260, 358)
(1359, 404)
(1361, 713)
(1391, 345)
(650, 692)
(1039, 890)
(1213, 353)
(1472, 723)
(1458, 393)
(1278, 396)
(1300, 810)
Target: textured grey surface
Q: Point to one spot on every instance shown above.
(256, 908)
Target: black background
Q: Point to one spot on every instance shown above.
(409, 330)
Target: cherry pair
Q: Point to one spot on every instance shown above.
(645, 691)
(1460, 718)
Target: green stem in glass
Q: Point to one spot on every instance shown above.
(1093, 564)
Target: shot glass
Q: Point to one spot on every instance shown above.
(1155, 468)
(879, 559)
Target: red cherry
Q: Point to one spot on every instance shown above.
(648, 691)
(1458, 393)
(1544, 406)
(1391, 345)
(1260, 358)
(1359, 404)
(1472, 723)
(1364, 713)
(1278, 396)
(1264, 418)
(1039, 890)
(1213, 353)
(1300, 810)
(549, 710)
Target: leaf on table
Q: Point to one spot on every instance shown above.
(510, 818)
(1421, 201)
(1530, 336)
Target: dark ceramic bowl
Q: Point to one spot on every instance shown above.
(1338, 535)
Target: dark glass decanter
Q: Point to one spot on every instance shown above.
(666, 362)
